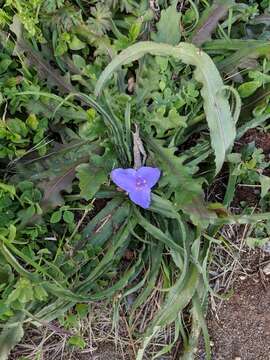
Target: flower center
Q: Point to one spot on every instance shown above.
(140, 183)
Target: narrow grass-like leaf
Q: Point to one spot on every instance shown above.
(102, 227)
(125, 279)
(244, 50)
(243, 219)
(170, 346)
(178, 298)
(157, 233)
(97, 296)
(198, 324)
(163, 207)
(53, 310)
(15, 264)
(230, 190)
(119, 239)
(146, 341)
(155, 253)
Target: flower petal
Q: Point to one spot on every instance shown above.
(150, 174)
(141, 197)
(124, 178)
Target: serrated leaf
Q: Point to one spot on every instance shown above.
(55, 173)
(32, 122)
(52, 196)
(163, 122)
(47, 72)
(52, 5)
(168, 27)
(26, 214)
(216, 106)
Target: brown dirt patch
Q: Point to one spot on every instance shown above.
(248, 194)
(241, 329)
(262, 140)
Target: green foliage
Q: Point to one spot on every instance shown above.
(265, 185)
(91, 176)
(255, 242)
(220, 120)
(28, 13)
(77, 341)
(52, 5)
(65, 229)
(168, 27)
(64, 213)
(249, 87)
(11, 335)
(100, 22)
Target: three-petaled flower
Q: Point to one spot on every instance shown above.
(137, 183)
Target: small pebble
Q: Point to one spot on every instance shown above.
(266, 269)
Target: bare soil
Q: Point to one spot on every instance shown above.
(262, 140)
(241, 328)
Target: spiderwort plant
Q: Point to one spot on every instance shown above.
(137, 183)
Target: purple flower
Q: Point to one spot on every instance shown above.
(137, 183)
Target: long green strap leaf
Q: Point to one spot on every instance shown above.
(118, 241)
(157, 233)
(216, 105)
(156, 257)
